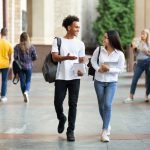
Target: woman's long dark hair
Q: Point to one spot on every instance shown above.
(114, 39)
(24, 42)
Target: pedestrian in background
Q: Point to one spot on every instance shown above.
(25, 53)
(142, 47)
(72, 51)
(111, 63)
(6, 52)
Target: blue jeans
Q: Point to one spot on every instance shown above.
(105, 92)
(141, 66)
(61, 87)
(4, 81)
(25, 79)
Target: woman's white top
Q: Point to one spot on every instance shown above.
(115, 60)
(142, 48)
(74, 47)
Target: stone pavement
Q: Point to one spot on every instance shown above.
(33, 126)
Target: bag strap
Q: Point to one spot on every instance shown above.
(18, 57)
(98, 58)
(98, 55)
(15, 80)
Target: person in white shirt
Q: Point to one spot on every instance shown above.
(142, 47)
(72, 51)
(111, 63)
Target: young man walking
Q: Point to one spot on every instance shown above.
(72, 51)
(6, 51)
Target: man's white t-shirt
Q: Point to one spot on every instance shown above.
(74, 47)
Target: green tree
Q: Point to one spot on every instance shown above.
(118, 15)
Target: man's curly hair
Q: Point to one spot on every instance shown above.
(69, 20)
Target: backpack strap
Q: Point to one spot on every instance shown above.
(58, 44)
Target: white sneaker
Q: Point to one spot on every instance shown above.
(146, 99)
(128, 100)
(108, 130)
(4, 99)
(26, 97)
(104, 136)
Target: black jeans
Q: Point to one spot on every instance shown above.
(61, 87)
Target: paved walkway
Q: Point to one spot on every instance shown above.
(33, 126)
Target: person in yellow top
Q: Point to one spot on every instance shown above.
(6, 52)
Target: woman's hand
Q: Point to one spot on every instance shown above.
(135, 42)
(79, 73)
(104, 68)
(148, 53)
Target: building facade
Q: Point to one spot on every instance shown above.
(42, 19)
(142, 15)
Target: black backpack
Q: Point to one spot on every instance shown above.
(91, 70)
(17, 67)
(49, 68)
